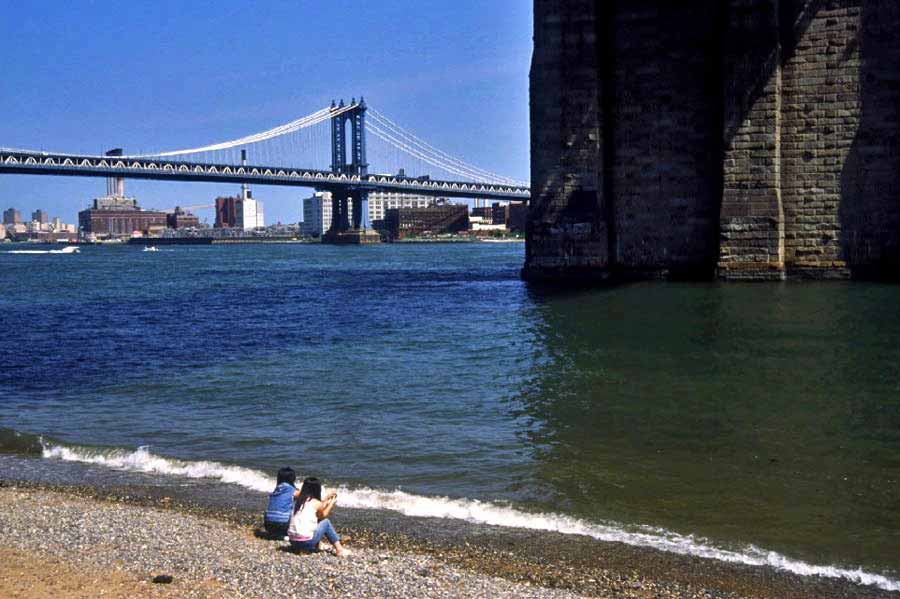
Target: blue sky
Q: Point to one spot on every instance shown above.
(85, 76)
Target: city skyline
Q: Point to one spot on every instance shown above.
(466, 76)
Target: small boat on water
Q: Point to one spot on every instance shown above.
(151, 248)
(72, 249)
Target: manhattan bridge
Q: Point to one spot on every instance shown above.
(326, 150)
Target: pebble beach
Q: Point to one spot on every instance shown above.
(72, 543)
(205, 558)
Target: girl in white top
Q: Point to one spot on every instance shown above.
(310, 523)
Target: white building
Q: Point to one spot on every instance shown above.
(381, 201)
(316, 214)
(479, 223)
(37, 226)
(249, 214)
(317, 209)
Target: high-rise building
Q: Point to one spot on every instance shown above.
(251, 215)
(483, 212)
(317, 209)
(241, 212)
(35, 226)
(317, 214)
(516, 215)
(39, 216)
(11, 216)
(498, 213)
(226, 212)
(382, 201)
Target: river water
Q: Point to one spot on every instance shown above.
(756, 423)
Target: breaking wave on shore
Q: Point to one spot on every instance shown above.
(142, 460)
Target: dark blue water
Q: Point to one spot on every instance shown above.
(759, 414)
(393, 366)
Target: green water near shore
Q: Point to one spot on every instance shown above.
(769, 413)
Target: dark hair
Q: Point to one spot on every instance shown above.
(312, 487)
(286, 475)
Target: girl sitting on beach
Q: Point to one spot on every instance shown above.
(281, 500)
(310, 520)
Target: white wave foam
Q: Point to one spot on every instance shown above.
(469, 510)
(141, 460)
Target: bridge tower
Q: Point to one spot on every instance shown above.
(350, 122)
(115, 186)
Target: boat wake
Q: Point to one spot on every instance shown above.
(72, 249)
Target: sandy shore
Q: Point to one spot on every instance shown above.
(32, 575)
(67, 543)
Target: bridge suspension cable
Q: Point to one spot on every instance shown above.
(394, 134)
(421, 156)
(295, 125)
(302, 142)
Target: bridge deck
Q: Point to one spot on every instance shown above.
(41, 163)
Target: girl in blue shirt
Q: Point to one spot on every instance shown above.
(281, 504)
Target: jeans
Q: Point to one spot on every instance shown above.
(323, 529)
(276, 530)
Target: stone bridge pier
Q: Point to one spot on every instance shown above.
(738, 139)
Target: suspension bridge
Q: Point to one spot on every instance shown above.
(327, 150)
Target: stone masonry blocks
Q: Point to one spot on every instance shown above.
(755, 139)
